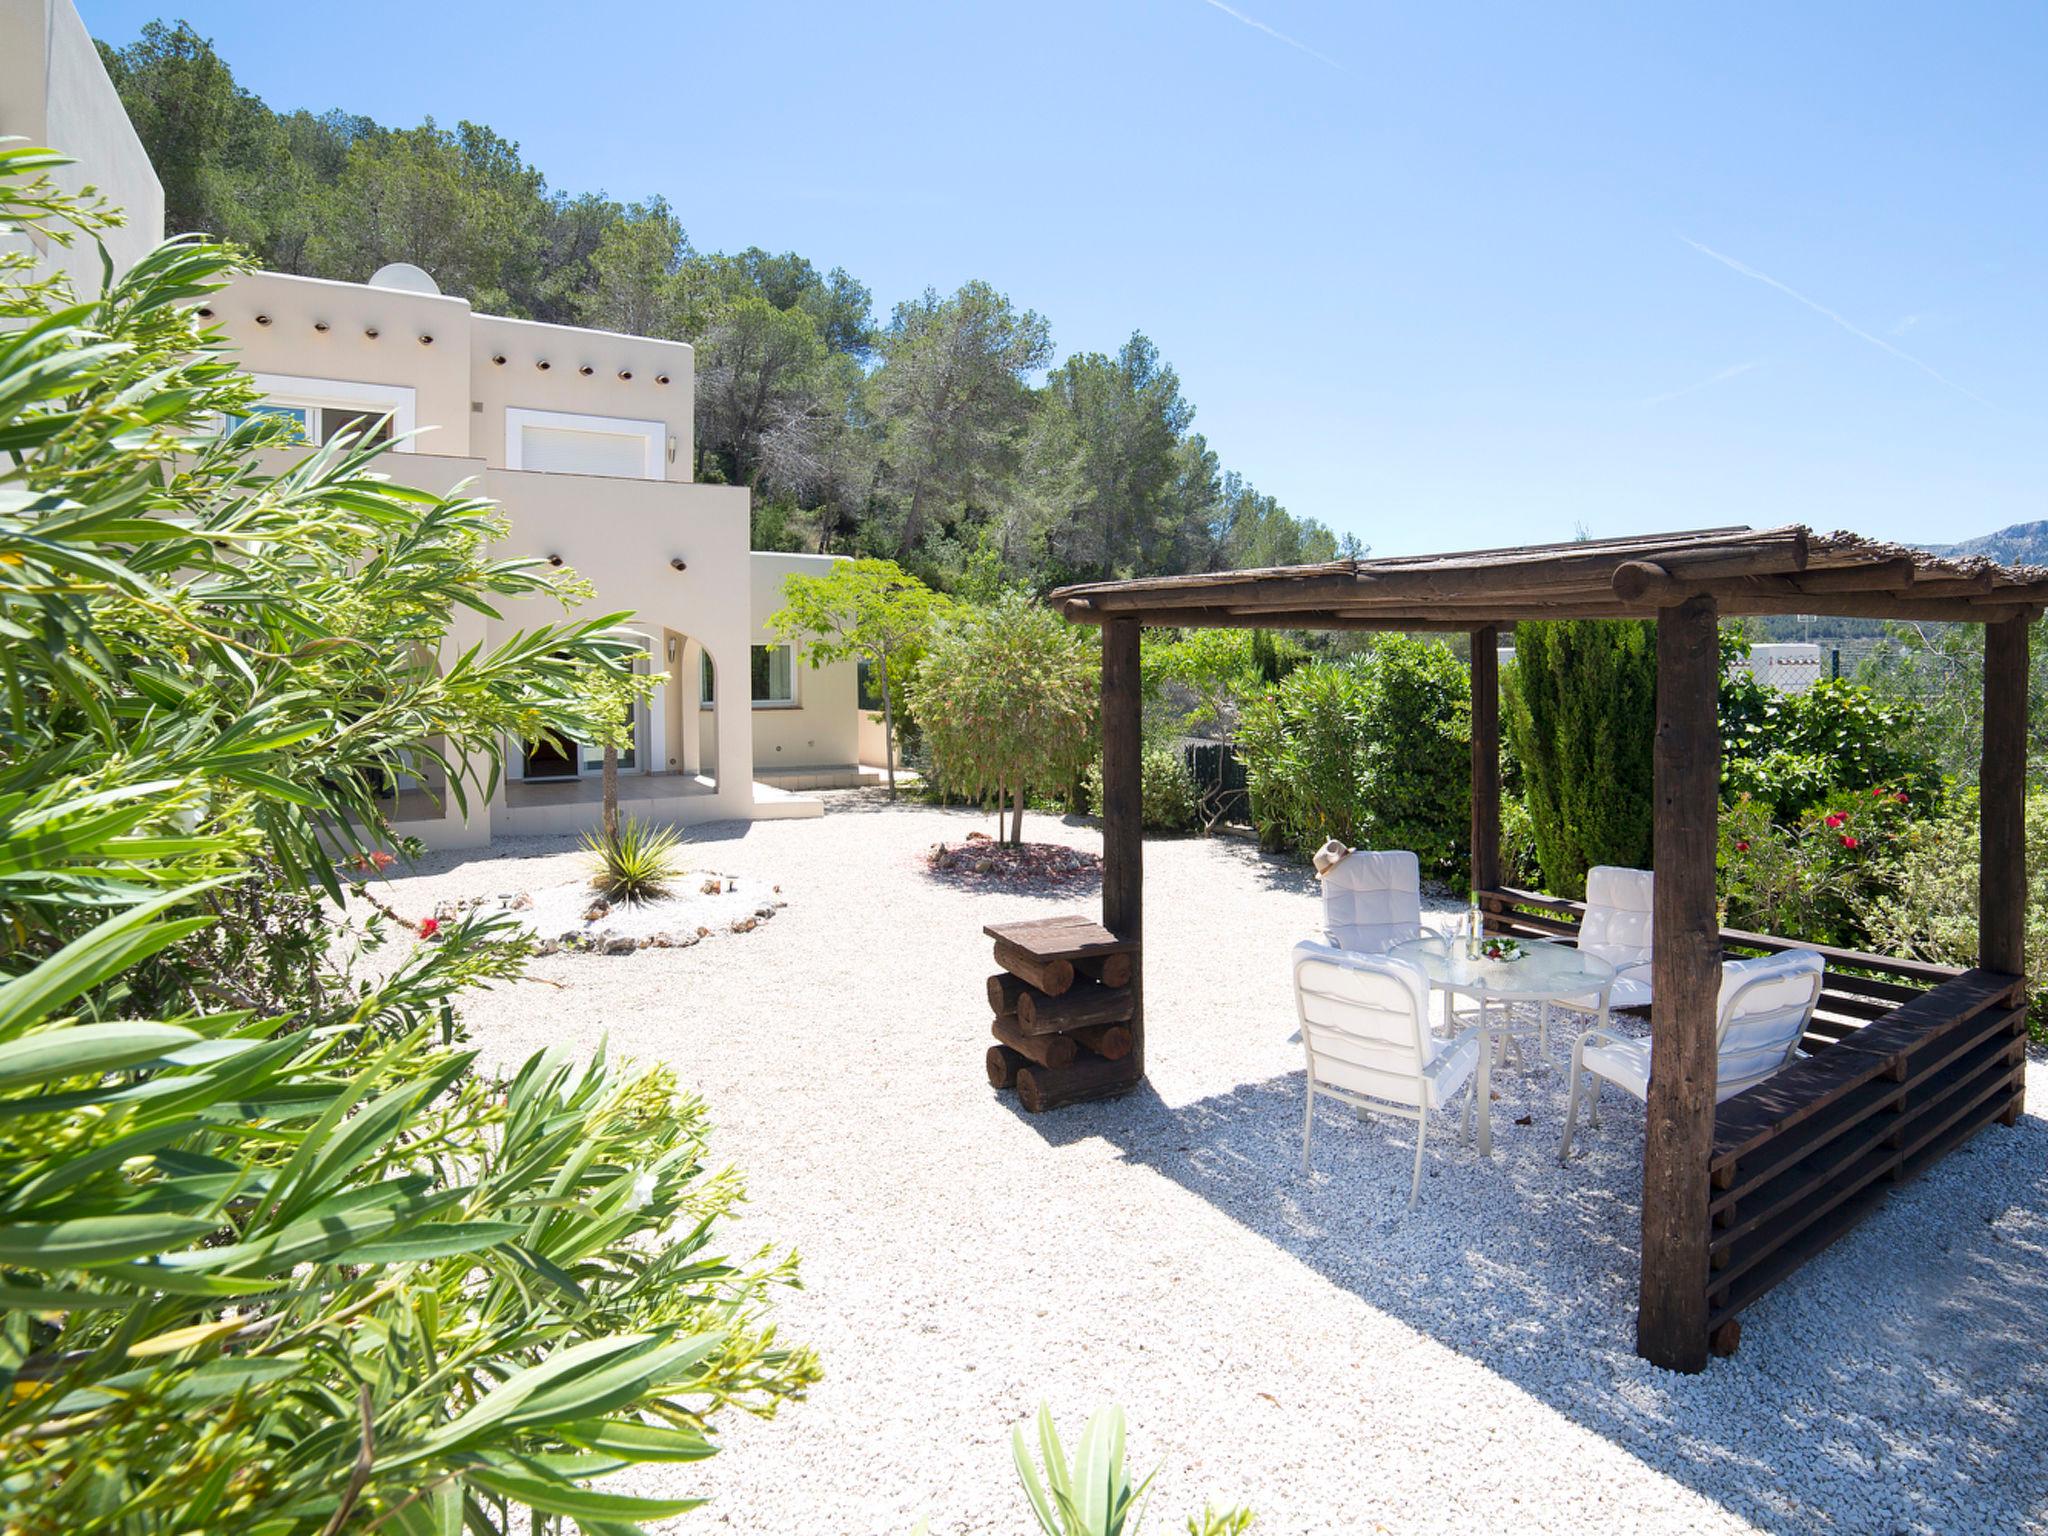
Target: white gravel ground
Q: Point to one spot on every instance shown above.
(1305, 1346)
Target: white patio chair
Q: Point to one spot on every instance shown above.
(1765, 1005)
(1365, 1029)
(1618, 928)
(1372, 901)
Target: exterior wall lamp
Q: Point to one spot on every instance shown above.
(679, 564)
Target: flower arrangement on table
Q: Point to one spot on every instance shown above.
(1497, 947)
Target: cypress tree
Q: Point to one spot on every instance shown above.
(1581, 717)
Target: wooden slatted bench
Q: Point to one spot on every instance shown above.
(1905, 1059)
(1064, 1003)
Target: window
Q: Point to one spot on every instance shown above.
(322, 408)
(323, 423)
(774, 669)
(559, 442)
(706, 695)
(869, 684)
(567, 758)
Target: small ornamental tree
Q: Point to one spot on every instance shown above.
(1007, 698)
(863, 610)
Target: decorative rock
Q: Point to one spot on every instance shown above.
(617, 944)
(710, 888)
(597, 909)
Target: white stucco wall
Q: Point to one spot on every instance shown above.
(55, 93)
(308, 327)
(822, 729)
(520, 383)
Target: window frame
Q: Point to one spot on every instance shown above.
(298, 392)
(589, 766)
(795, 699)
(653, 434)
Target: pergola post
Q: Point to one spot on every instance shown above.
(2002, 804)
(1123, 813)
(1671, 1313)
(1485, 758)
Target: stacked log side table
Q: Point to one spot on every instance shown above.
(1064, 1010)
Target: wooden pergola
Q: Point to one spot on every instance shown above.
(1912, 1057)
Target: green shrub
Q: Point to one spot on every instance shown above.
(1303, 746)
(1166, 786)
(1819, 875)
(273, 1257)
(636, 864)
(1579, 706)
(1416, 792)
(1374, 751)
(1932, 912)
(1794, 750)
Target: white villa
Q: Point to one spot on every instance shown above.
(583, 438)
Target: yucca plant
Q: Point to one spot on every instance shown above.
(1093, 1495)
(636, 862)
(274, 1258)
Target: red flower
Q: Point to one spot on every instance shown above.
(1878, 792)
(1742, 846)
(1835, 819)
(1900, 797)
(1848, 842)
(382, 859)
(429, 927)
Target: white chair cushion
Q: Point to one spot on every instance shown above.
(1624, 1063)
(1372, 901)
(1765, 1005)
(1619, 902)
(1766, 1022)
(1450, 1063)
(1631, 989)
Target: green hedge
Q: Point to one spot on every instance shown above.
(1374, 751)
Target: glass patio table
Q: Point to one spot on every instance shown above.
(1545, 973)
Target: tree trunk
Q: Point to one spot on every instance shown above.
(888, 728)
(1017, 820)
(611, 794)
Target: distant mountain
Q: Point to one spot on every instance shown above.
(2021, 544)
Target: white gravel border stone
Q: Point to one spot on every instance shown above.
(1301, 1345)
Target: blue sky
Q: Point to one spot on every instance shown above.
(1441, 276)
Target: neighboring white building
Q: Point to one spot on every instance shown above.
(582, 437)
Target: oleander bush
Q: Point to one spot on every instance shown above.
(1817, 876)
(1167, 790)
(1794, 750)
(1374, 750)
(274, 1256)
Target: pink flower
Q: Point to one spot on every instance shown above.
(429, 926)
(1848, 842)
(1835, 819)
(1900, 797)
(1742, 846)
(382, 859)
